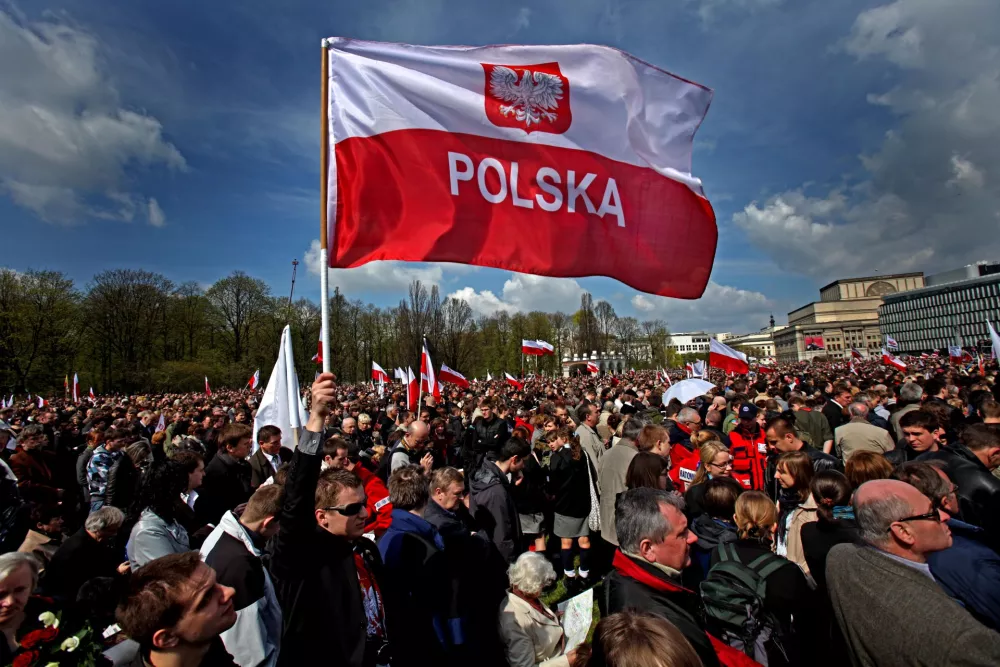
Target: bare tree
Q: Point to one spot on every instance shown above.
(627, 329)
(605, 314)
(239, 301)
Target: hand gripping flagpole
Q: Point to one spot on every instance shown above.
(324, 170)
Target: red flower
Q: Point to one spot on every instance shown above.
(36, 637)
(26, 659)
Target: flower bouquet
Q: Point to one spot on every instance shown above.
(53, 645)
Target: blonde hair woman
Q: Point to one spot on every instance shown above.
(715, 461)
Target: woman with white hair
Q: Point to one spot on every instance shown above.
(18, 578)
(531, 632)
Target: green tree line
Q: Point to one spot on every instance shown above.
(130, 330)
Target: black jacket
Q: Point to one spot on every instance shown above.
(123, 484)
(818, 537)
(669, 600)
(494, 510)
(315, 576)
(529, 495)
(488, 436)
(261, 468)
(978, 489)
(569, 484)
(905, 454)
(835, 415)
(78, 560)
(226, 485)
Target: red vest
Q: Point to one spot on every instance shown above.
(749, 458)
(683, 465)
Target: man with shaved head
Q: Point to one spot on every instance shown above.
(887, 602)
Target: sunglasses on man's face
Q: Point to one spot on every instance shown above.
(933, 515)
(351, 509)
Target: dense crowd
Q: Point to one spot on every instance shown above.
(817, 514)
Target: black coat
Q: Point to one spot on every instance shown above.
(835, 415)
(569, 484)
(488, 436)
(818, 537)
(678, 605)
(261, 468)
(978, 490)
(77, 561)
(529, 495)
(123, 483)
(315, 577)
(494, 510)
(226, 485)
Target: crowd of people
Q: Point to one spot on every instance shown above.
(815, 514)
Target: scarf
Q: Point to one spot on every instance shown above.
(841, 512)
(789, 501)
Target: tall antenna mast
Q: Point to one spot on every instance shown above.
(295, 266)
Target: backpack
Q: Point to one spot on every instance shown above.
(733, 597)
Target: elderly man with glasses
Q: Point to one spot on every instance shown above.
(890, 607)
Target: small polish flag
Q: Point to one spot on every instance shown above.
(593, 368)
(318, 357)
(254, 379)
(412, 389)
(513, 382)
(689, 367)
(41, 402)
(399, 374)
(890, 360)
(76, 388)
(924, 355)
(666, 378)
(449, 375)
(92, 397)
(489, 378)
(162, 424)
(378, 374)
(891, 343)
(428, 381)
(208, 390)
(722, 356)
(856, 353)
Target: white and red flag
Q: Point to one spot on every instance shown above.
(666, 378)
(318, 357)
(208, 390)
(450, 375)
(41, 402)
(890, 360)
(856, 353)
(428, 380)
(412, 389)
(254, 380)
(536, 348)
(512, 381)
(551, 160)
(378, 374)
(890, 343)
(593, 368)
(722, 356)
(76, 388)
(92, 397)
(161, 424)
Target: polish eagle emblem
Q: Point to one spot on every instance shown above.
(531, 97)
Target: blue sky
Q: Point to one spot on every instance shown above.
(845, 138)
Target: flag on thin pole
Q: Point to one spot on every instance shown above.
(666, 377)
(513, 382)
(76, 388)
(281, 403)
(502, 162)
(428, 380)
(400, 375)
(208, 390)
(254, 379)
(489, 378)
(890, 343)
(412, 389)
(41, 402)
(994, 339)
(378, 374)
(593, 368)
(955, 354)
(722, 356)
(450, 375)
(318, 357)
(890, 360)
(92, 396)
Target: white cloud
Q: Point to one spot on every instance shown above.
(155, 214)
(374, 277)
(931, 185)
(523, 293)
(66, 141)
(720, 308)
(709, 9)
(522, 20)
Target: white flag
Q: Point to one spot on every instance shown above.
(995, 339)
(280, 405)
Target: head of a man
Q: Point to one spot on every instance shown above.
(655, 439)
(447, 488)
(174, 603)
(104, 524)
(841, 393)
(408, 490)
(781, 437)
(591, 415)
(486, 409)
(364, 422)
(513, 454)
(33, 437)
(651, 525)
(689, 418)
(920, 430)
(417, 435)
(895, 517)
(193, 464)
(910, 392)
(341, 504)
(349, 426)
(269, 439)
(929, 479)
(983, 440)
(858, 410)
(263, 510)
(336, 454)
(235, 440)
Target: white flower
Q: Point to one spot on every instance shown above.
(49, 619)
(52, 664)
(70, 644)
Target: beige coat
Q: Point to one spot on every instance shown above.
(611, 481)
(530, 637)
(805, 513)
(859, 436)
(40, 546)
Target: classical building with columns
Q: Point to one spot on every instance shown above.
(845, 316)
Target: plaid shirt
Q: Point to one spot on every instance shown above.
(97, 474)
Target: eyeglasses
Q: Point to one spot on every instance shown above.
(727, 464)
(933, 515)
(352, 509)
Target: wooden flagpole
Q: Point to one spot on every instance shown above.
(324, 171)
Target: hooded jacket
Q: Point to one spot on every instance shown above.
(711, 533)
(231, 550)
(494, 510)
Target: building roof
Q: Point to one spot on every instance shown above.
(943, 287)
(882, 276)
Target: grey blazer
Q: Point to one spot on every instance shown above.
(894, 616)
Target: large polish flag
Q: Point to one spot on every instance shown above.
(890, 360)
(378, 373)
(722, 356)
(552, 160)
(450, 375)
